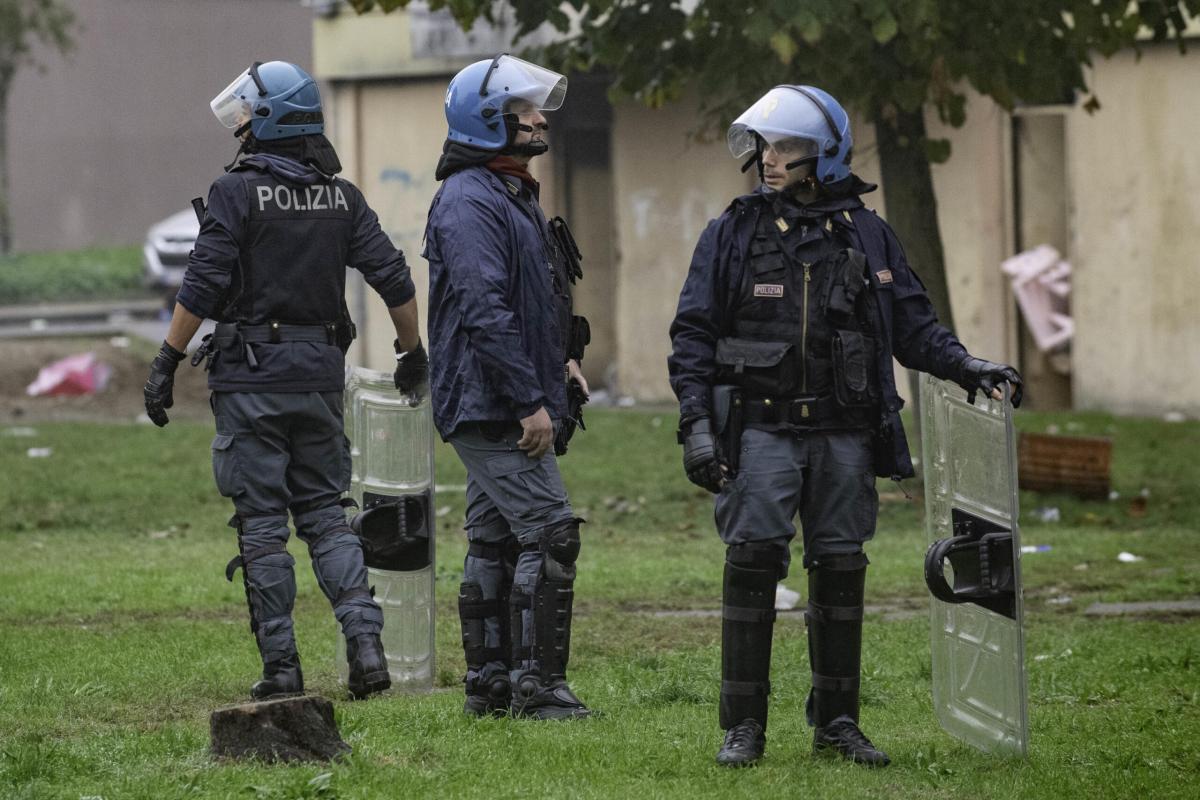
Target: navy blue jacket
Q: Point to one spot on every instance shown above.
(495, 345)
(908, 326)
(275, 245)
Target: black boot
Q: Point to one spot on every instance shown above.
(281, 678)
(488, 696)
(843, 737)
(533, 698)
(744, 745)
(834, 619)
(368, 666)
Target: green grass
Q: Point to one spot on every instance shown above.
(119, 636)
(92, 274)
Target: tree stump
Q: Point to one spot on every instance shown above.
(288, 729)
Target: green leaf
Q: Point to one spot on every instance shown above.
(937, 150)
(784, 46)
(885, 28)
(811, 30)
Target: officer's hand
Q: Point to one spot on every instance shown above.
(977, 375)
(538, 434)
(159, 391)
(575, 374)
(412, 369)
(702, 457)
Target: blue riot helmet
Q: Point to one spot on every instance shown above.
(275, 100)
(813, 126)
(481, 97)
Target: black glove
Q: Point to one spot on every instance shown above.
(701, 456)
(160, 385)
(977, 375)
(412, 369)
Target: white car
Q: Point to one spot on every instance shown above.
(168, 244)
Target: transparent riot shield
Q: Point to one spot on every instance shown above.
(973, 568)
(391, 447)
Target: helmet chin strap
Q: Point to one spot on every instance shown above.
(531, 148)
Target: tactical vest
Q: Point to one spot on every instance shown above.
(801, 324)
(292, 267)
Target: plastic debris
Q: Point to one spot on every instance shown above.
(1061, 600)
(443, 511)
(1047, 514)
(1128, 558)
(80, 374)
(20, 432)
(119, 342)
(1035, 548)
(785, 598)
(1114, 495)
(1174, 416)
(39, 452)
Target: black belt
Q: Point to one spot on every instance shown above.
(801, 411)
(275, 332)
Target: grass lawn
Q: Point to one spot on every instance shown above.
(98, 273)
(119, 635)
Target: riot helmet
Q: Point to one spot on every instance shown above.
(483, 100)
(804, 123)
(275, 100)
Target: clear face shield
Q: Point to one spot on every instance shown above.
(544, 89)
(232, 104)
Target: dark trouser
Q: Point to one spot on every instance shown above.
(826, 478)
(276, 452)
(517, 590)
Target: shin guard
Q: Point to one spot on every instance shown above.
(748, 618)
(834, 619)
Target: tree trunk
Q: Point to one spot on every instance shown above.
(912, 211)
(911, 205)
(5, 229)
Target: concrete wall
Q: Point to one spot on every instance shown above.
(1135, 189)
(118, 135)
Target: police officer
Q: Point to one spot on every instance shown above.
(270, 266)
(796, 301)
(500, 334)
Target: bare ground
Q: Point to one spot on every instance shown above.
(121, 400)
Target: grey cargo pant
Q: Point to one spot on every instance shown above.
(511, 499)
(824, 476)
(276, 452)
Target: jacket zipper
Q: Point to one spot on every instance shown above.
(804, 332)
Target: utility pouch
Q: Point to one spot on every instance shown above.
(728, 410)
(345, 333)
(761, 368)
(580, 337)
(853, 362)
(848, 278)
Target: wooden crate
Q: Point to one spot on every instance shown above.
(1076, 464)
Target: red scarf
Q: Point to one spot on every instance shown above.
(507, 165)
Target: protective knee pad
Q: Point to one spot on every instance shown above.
(268, 580)
(747, 624)
(549, 644)
(834, 619)
(483, 602)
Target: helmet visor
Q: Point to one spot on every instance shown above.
(544, 88)
(743, 140)
(232, 105)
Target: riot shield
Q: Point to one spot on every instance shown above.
(973, 568)
(392, 481)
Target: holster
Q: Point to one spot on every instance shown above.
(576, 400)
(729, 419)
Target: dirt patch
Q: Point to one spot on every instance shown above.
(121, 400)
